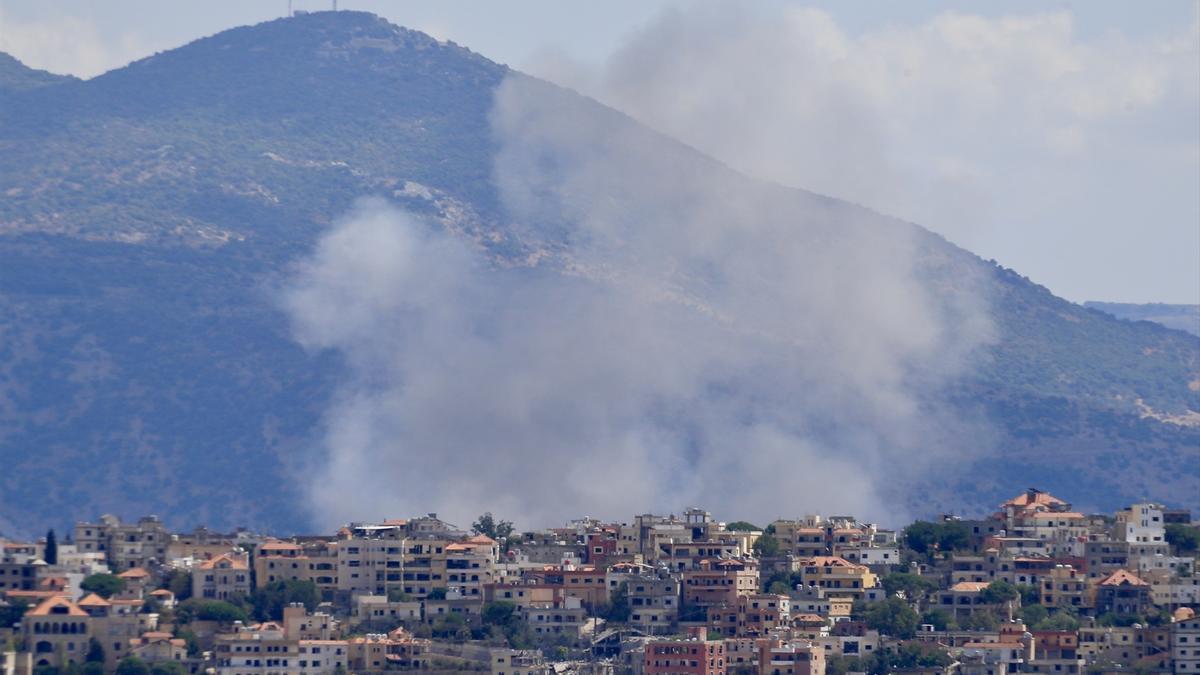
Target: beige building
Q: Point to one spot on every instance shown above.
(839, 578)
(126, 545)
(56, 631)
(719, 582)
(222, 578)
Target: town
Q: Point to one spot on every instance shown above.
(1036, 587)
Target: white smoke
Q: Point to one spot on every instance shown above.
(701, 339)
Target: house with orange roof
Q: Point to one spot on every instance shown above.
(221, 578)
(136, 579)
(839, 577)
(158, 647)
(1123, 592)
(963, 598)
(56, 631)
(164, 598)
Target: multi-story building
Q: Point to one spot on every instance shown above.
(126, 545)
(1103, 557)
(719, 582)
(397, 650)
(56, 631)
(1065, 586)
(222, 578)
(1140, 524)
(1185, 644)
(754, 615)
(653, 595)
(317, 562)
(1123, 593)
(302, 645)
(696, 655)
(568, 620)
(837, 576)
(379, 610)
(790, 657)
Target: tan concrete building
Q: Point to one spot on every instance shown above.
(225, 577)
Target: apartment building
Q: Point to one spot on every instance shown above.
(222, 578)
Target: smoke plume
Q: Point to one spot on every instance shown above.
(686, 336)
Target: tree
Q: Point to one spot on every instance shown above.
(51, 554)
(179, 583)
(436, 594)
(489, 526)
(981, 620)
(269, 600)
(913, 587)
(92, 668)
(11, 613)
(893, 617)
(1058, 621)
(765, 547)
(168, 668)
(742, 526)
(104, 585)
(1032, 615)
(779, 588)
(189, 638)
(132, 665)
(921, 536)
(1185, 539)
(95, 651)
(618, 609)
(939, 619)
(926, 537)
(999, 592)
(1030, 595)
(209, 610)
(498, 613)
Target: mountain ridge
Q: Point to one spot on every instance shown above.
(130, 332)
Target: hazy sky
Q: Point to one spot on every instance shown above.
(1061, 139)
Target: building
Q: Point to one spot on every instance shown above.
(790, 657)
(653, 595)
(222, 578)
(696, 655)
(56, 631)
(719, 582)
(1185, 643)
(1065, 587)
(1123, 593)
(1141, 524)
(837, 576)
(754, 615)
(126, 545)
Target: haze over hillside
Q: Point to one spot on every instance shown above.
(200, 317)
(1179, 317)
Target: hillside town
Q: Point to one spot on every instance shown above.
(1036, 587)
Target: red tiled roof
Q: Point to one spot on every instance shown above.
(235, 563)
(1122, 578)
(46, 607)
(94, 600)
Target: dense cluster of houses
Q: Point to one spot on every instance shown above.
(1036, 587)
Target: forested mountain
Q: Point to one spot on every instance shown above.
(147, 212)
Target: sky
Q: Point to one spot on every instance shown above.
(1061, 139)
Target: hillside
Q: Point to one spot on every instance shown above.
(147, 212)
